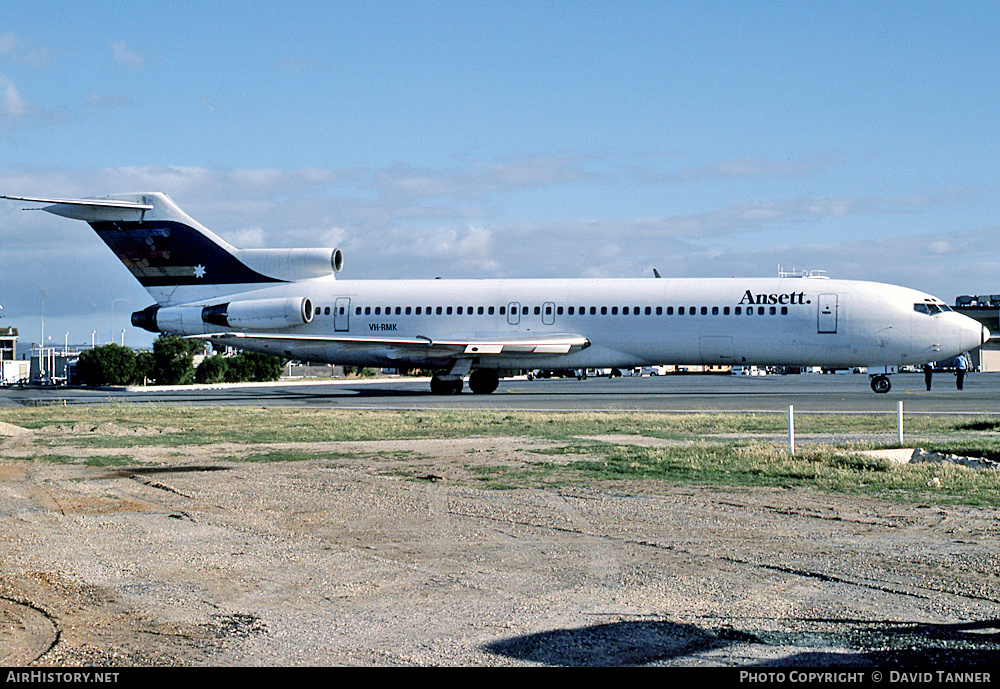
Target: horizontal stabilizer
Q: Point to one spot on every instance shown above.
(95, 203)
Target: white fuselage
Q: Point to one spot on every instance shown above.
(629, 322)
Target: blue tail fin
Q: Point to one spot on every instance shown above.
(177, 259)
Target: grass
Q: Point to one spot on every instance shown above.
(717, 449)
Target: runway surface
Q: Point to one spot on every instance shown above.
(845, 393)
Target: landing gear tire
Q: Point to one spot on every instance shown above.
(881, 384)
(483, 381)
(446, 385)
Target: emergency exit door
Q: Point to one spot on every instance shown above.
(342, 314)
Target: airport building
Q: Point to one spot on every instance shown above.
(12, 369)
(986, 310)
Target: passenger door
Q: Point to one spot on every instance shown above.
(827, 313)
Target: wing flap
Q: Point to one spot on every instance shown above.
(546, 345)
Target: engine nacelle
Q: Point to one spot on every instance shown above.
(254, 314)
(293, 264)
(260, 314)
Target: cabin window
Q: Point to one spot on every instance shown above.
(614, 310)
(480, 310)
(784, 310)
(659, 310)
(503, 310)
(490, 310)
(378, 310)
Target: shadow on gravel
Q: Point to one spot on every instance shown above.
(851, 643)
(613, 644)
(134, 471)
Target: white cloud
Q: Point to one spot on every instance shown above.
(13, 106)
(125, 56)
(13, 47)
(740, 168)
(387, 232)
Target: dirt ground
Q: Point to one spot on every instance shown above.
(382, 554)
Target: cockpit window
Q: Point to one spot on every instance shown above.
(930, 308)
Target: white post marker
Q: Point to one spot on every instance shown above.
(899, 421)
(791, 429)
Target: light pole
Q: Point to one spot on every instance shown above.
(113, 318)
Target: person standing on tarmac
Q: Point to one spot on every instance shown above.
(960, 367)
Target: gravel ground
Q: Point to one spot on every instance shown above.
(184, 558)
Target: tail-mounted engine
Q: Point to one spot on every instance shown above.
(255, 314)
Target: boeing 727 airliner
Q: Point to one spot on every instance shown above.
(288, 302)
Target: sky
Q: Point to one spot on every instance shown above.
(505, 139)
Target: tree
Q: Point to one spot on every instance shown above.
(212, 369)
(109, 364)
(264, 367)
(145, 364)
(247, 366)
(173, 360)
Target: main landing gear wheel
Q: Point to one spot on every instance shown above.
(483, 381)
(446, 385)
(881, 384)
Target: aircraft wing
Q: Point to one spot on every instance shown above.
(406, 348)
